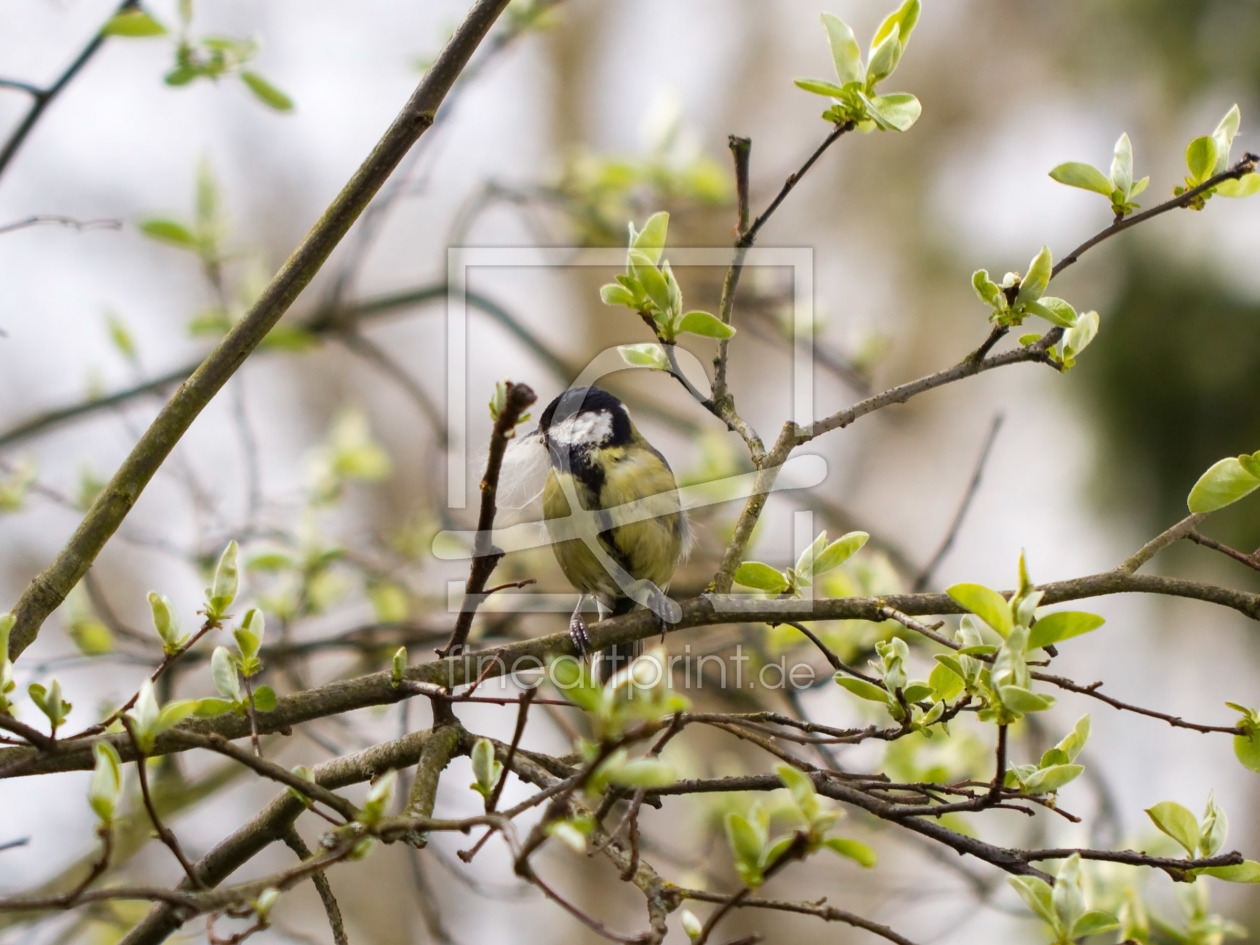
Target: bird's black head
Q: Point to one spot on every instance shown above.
(582, 419)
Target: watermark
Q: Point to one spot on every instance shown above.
(684, 670)
(798, 472)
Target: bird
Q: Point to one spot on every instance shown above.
(612, 512)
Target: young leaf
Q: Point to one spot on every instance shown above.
(616, 294)
(1048, 780)
(858, 852)
(1224, 483)
(863, 689)
(706, 325)
(1036, 895)
(895, 112)
(642, 773)
(651, 241)
(845, 52)
(1034, 283)
(223, 588)
(133, 24)
(265, 699)
(224, 673)
(1064, 625)
(1177, 822)
(1245, 872)
(1201, 158)
(267, 93)
(1122, 165)
(819, 87)
(985, 603)
(1084, 176)
(106, 782)
(839, 551)
(761, 576)
(168, 231)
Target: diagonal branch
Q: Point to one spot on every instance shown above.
(49, 588)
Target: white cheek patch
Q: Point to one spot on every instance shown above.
(583, 429)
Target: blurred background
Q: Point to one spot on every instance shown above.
(324, 455)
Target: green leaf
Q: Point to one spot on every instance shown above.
(858, 852)
(267, 93)
(863, 689)
(989, 291)
(904, 18)
(642, 773)
(133, 24)
(173, 713)
(1094, 923)
(1034, 283)
(226, 581)
(1224, 483)
(706, 325)
(1246, 872)
(1224, 137)
(1071, 744)
(946, 684)
(885, 54)
(106, 783)
(1245, 186)
(799, 784)
(615, 294)
(895, 112)
(1055, 311)
(1036, 895)
(165, 621)
(845, 52)
(761, 576)
(1019, 699)
(1177, 822)
(224, 673)
(651, 241)
(209, 708)
(1048, 780)
(840, 551)
(651, 278)
(819, 87)
(1201, 158)
(1064, 625)
(1247, 748)
(265, 699)
(1122, 165)
(1084, 176)
(745, 840)
(1077, 338)
(486, 768)
(916, 691)
(168, 231)
(985, 603)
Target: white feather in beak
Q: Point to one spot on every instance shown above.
(524, 471)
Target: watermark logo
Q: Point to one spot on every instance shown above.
(799, 472)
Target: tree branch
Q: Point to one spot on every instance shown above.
(50, 587)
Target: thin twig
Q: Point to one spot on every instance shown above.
(42, 98)
(921, 582)
(518, 399)
(1251, 560)
(293, 840)
(164, 833)
(44, 219)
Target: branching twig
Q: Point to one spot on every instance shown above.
(485, 558)
(49, 588)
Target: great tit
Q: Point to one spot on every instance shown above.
(628, 532)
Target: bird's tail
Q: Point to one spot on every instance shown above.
(620, 655)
